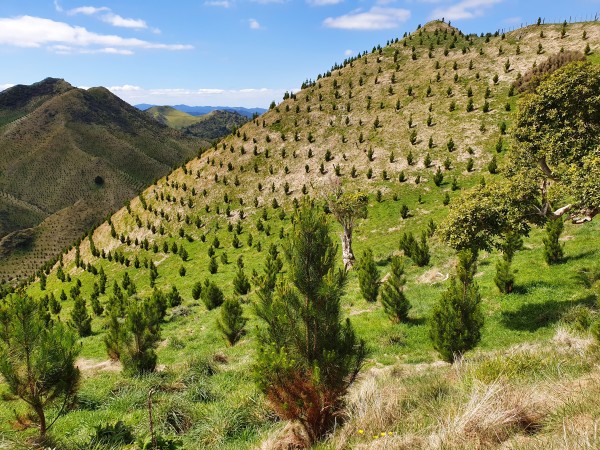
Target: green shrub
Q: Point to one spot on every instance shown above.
(368, 276)
(211, 295)
(553, 250)
(231, 321)
(395, 303)
(456, 320)
(112, 435)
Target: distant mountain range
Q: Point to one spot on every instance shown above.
(201, 110)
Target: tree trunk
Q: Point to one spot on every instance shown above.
(39, 410)
(347, 253)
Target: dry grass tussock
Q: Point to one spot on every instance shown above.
(530, 397)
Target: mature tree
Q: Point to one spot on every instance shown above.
(456, 320)
(394, 301)
(307, 356)
(37, 359)
(347, 208)
(555, 162)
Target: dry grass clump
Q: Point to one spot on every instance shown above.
(528, 397)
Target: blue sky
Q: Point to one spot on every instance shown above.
(225, 52)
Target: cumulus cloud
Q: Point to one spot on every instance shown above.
(377, 18)
(106, 15)
(35, 32)
(254, 25)
(118, 21)
(465, 9)
(87, 10)
(248, 97)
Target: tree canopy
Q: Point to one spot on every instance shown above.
(552, 170)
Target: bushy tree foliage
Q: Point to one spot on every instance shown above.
(307, 356)
(231, 321)
(37, 359)
(368, 276)
(556, 161)
(456, 321)
(394, 301)
(347, 208)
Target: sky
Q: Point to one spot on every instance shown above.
(226, 52)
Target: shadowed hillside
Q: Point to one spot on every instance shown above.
(82, 153)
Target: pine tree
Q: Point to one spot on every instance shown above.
(197, 290)
(395, 303)
(307, 356)
(241, 285)
(80, 319)
(213, 266)
(232, 321)
(142, 328)
(456, 320)
(31, 349)
(211, 295)
(368, 276)
(553, 250)
(505, 277)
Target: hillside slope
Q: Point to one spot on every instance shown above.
(211, 126)
(384, 122)
(82, 153)
(215, 125)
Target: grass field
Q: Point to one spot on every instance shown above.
(205, 394)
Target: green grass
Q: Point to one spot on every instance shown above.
(232, 414)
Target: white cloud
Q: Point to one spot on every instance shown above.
(5, 86)
(465, 9)
(118, 21)
(376, 18)
(219, 3)
(513, 20)
(35, 32)
(254, 25)
(87, 10)
(348, 52)
(323, 2)
(248, 97)
(108, 16)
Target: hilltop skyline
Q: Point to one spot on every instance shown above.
(226, 52)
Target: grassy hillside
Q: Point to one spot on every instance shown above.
(209, 127)
(171, 117)
(70, 156)
(367, 122)
(215, 125)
